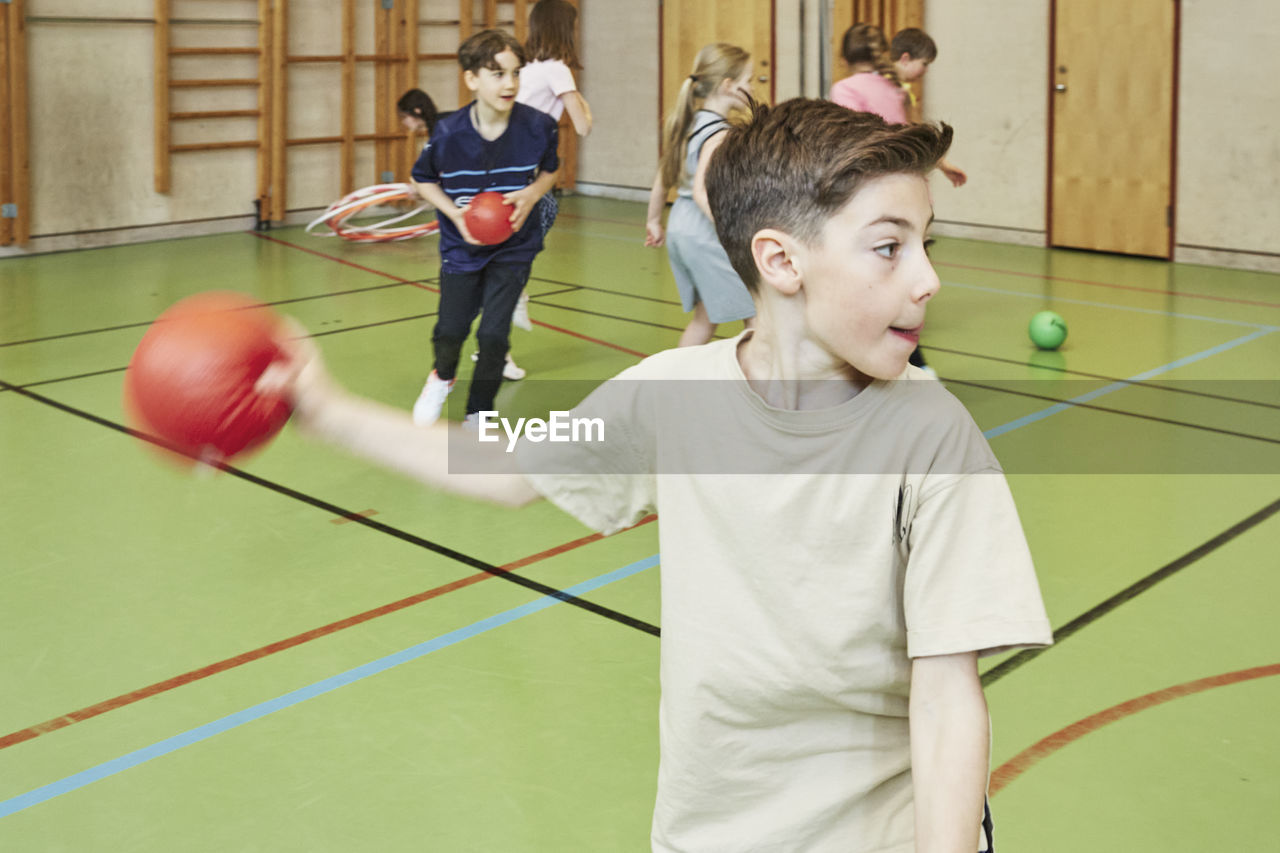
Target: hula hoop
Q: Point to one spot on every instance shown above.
(337, 214)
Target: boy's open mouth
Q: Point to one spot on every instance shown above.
(912, 335)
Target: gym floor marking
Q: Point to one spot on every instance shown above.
(1176, 294)
(1020, 763)
(319, 688)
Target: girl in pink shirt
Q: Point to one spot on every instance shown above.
(872, 85)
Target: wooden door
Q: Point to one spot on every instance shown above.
(689, 25)
(1112, 114)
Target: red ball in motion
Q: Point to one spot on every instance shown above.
(488, 218)
(191, 379)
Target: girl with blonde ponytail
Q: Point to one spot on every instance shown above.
(719, 83)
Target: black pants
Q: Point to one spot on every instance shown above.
(494, 290)
(917, 357)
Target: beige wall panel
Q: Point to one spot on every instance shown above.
(91, 137)
(989, 83)
(787, 45)
(91, 8)
(1228, 190)
(620, 79)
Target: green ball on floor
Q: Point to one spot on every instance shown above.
(1047, 330)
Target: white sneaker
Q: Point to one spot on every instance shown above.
(510, 370)
(426, 410)
(471, 422)
(520, 316)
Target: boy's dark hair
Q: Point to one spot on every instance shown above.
(551, 29)
(914, 42)
(793, 166)
(481, 50)
(416, 102)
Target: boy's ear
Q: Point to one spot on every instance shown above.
(778, 260)
(471, 79)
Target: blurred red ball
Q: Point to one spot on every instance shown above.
(488, 218)
(191, 379)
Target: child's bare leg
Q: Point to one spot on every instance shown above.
(700, 328)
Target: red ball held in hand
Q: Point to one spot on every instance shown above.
(191, 380)
(488, 218)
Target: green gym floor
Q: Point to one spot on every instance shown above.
(308, 654)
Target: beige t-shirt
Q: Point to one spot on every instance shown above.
(807, 556)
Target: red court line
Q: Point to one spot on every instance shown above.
(574, 334)
(261, 236)
(1016, 766)
(1044, 277)
(564, 331)
(281, 645)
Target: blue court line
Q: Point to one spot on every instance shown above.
(1113, 306)
(208, 730)
(1121, 385)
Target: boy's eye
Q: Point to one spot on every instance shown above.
(888, 250)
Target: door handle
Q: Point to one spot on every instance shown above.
(763, 78)
(1061, 87)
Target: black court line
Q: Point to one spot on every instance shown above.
(1106, 409)
(1132, 591)
(373, 325)
(356, 518)
(567, 288)
(7, 387)
(143, 323)
(1136, 383)
(609, 291)
(608, 316)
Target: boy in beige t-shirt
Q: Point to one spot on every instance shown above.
(838, 548)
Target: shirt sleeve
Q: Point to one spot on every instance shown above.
(846, 96)
(550, 161)
(970, 584)
(607, 484)
(424, 169)
(560, 79)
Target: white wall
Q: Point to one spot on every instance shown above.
(1229, 129)
(91, 116)
(989, 84)
(620, 80)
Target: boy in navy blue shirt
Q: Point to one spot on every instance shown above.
(492, 144)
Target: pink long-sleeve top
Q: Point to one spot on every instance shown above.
(868, 92)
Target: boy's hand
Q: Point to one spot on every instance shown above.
(653, 234)
(300, 377)
(460, 220)
(523, 200)
(957, 177)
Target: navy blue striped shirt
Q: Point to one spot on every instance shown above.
(464, 163)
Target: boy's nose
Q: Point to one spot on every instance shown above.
(929, 283)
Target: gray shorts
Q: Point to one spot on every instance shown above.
(701, 267)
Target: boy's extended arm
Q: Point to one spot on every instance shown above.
(388, 437)
(950, 743)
